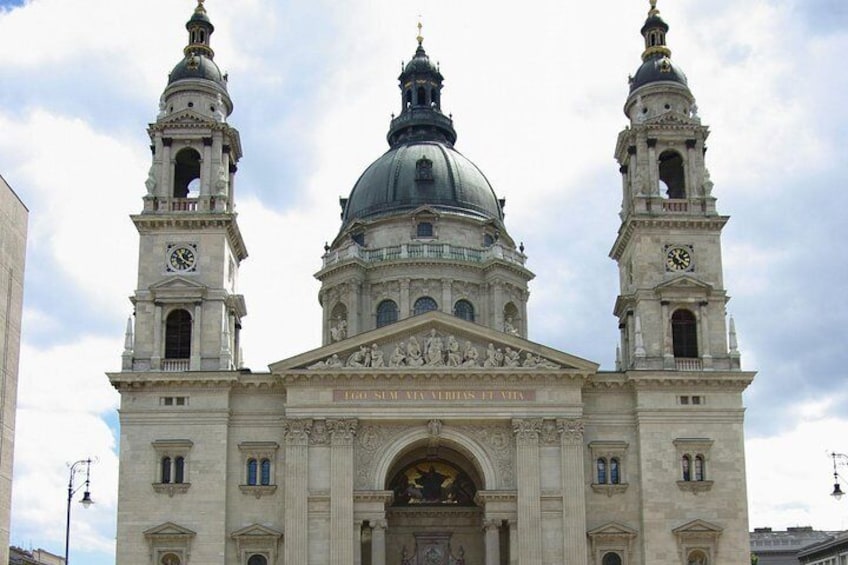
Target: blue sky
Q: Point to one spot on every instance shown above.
(536, 92)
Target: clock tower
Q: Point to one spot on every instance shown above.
(671, 308)
(187, 309)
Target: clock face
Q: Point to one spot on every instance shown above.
(181, 258)
(678, 259)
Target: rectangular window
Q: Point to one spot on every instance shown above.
(684, 400)
(167, 401)
(696, 400)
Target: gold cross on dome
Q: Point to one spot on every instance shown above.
(420, 38)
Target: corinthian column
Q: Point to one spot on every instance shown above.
(378, 542)
(573, 491)
(529, 490)
(296, 435)
(493, 542)
(341, 490)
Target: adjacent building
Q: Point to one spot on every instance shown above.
(782, 547)
(13, 233)
(426, 428)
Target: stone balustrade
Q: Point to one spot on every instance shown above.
(418, 251)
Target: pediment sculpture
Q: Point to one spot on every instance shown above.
(434, 349)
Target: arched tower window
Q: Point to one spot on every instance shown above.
(611, 559)
(464, 309)
(672, 174)
(186, 173)
(178, 335)
(684, 334)
(257, 560)
(424, 304)
(408, 98)
(422, 96)
(434, 97)
(387, 313)
(697, 557)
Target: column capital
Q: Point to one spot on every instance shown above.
(342, 431)
(527, 430)
(491, 524)
(379, 524)
(296, 432)
(571, 430)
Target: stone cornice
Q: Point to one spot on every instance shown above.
(734, 381)
(194, 221)
(194, 379)
(444, 375)
(663, 221)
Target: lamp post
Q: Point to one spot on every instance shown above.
(86, 496)
(838, 459)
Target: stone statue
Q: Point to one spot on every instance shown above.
(434, 350)
(454, 356)
(491, 354)
(361, 358)
(511, 358)
(398, 358)
(222, 181)
(150, 183)
(338, 332)
(219, 109)
(469, 355)
(334, 361)
(708, 183)
(509, 326)
(413, 353)
(162, 108)
(376, 356)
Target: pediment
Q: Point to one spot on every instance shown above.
(672, 118)
(425, 210)
(698, 527)
(186, 117)
(612, 529)
(685, 284)
(169, 530)
(177, 288)
(256, 531)
(434, 341)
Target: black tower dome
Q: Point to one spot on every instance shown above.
(657, 65)
(198, 62)
(421, 167)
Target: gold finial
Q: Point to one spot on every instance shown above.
(420, 37)
(200, 7)
(653, 11)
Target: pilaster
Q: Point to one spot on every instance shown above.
(342, 433)
(296, 436)
(529, 490)
(573, 491)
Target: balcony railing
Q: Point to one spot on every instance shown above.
(418, 251)
(688, 364)
(676, 205)
(175, 364)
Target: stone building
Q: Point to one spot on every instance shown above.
(18, 556)
(13, 233)
(782, 547)
(427, 429)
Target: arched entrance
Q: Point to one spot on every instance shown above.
(434, 518)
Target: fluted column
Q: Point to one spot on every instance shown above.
(357, 542)
(573, 491)
(341, 490)
(513, 542)
(296, 434)
(493, 542)
(158, 349)
(529, 490)
(378, 542)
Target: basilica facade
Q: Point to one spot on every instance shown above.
(427, 429)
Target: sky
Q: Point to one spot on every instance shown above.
(536, 90)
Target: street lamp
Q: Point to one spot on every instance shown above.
(838, 459)
(86, 496)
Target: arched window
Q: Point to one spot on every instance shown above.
(684, 334)
(166, 470)
(265, 472)
(170, 559)
(611, 559)
(178, 335)
(601, 465)
(257, 560)
(699, 468)
(408, 98)
(179, 470)
(186, 172)
(425, 229)
(424, 304)
(685, 464)
(387, 313)
(672, 174)
(251, 471)
(422, 96)
(434, 97)
(615, 475)
(697, 557)
(464, 309)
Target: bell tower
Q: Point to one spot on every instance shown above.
(671, 307)
(187, 310)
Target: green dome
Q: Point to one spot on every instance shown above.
(422, 173)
